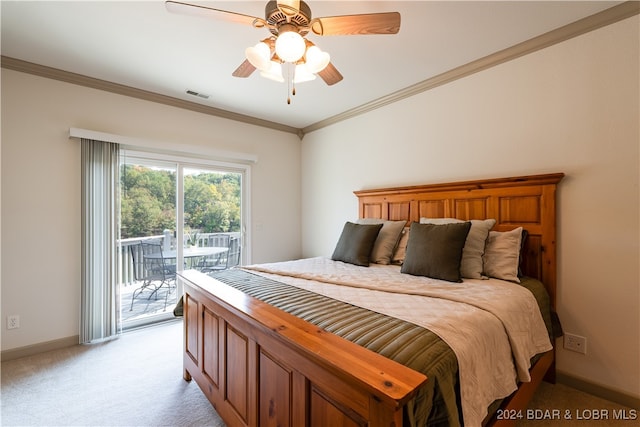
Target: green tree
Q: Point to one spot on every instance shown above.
(211, 201)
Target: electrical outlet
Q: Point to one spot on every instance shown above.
(13, 321)
(575, 343)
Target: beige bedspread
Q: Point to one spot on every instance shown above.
(489, 324)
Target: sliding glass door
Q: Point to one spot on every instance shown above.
(175, 214)
(212, 218)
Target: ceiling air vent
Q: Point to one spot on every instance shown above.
(198, 94)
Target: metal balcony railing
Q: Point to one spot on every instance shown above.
(168, 240)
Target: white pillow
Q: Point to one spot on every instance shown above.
(502, 254)
(472, 266)
(387, 239)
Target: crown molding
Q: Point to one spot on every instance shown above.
(582, 26)
(606, 17)
(82, 80)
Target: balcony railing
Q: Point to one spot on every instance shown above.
(126, 266)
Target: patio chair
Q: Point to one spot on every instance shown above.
(153, 270)
(214, 262)
(232, 257)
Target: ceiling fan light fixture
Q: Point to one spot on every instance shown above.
(303, 74)
(288, 22)
(259, 56)
(316, 60)
(290, 46)
(274, 72)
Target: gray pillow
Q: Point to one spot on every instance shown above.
(471, 266)
(387, 239)
(502, 254)
(355, 243)
(436, 250)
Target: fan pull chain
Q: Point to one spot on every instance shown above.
(288, 83)
(291, 85)
(290, 75)
(293, 79)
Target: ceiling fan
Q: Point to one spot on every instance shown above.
(289, 21)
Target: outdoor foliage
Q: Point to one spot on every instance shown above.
(148, 206)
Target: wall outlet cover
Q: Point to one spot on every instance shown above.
(575, 343)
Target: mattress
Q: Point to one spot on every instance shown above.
(373, 307)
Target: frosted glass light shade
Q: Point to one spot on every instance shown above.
(259, 56)
(290, 46)
(316, 59)
(302, 74)
(274, 72)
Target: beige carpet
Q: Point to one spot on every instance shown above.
(557, 404)
(136, 380)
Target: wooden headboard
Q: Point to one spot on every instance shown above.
(527, 201)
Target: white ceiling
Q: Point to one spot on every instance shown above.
(140, 44)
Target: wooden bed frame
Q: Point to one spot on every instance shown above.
(260, 366)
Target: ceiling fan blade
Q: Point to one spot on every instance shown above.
(244, 70)
(208, 12)
(330, 74)
(371, 23)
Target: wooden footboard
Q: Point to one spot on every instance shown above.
(261, 366)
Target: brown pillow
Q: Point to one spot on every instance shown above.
(436, 250)
(355, 243)
(471, 266)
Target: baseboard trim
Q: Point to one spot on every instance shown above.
(598, 390)
(30, 350)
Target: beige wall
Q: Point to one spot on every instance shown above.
(41, 190)
(570, 108)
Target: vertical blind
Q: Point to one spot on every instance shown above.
(99, 316)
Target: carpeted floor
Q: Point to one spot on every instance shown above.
(557, 404)
(136, 380)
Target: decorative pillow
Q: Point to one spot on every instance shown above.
(471, 266)
(401, 249)
(355, 243)
(387, 239)
(436, 250)
(502, 254)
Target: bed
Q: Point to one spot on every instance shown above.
(265, 350)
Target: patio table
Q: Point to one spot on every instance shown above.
(190, 252)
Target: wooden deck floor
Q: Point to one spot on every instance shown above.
(145, 304)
